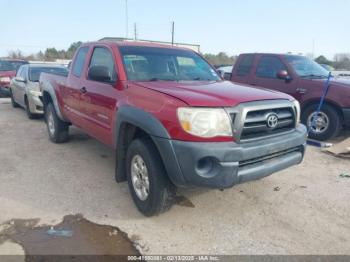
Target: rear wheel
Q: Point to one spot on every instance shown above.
(324, 125)
(151, 189)
(58, 130)
(13, 102)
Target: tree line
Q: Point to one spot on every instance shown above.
(50, 54)
(341, 61)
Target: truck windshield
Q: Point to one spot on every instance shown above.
(34, 72)
(163, 64)
(307, 68)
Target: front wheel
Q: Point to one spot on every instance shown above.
(324, 125)
(58, 130)
(151, 189)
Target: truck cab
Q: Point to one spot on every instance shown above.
(303, 79)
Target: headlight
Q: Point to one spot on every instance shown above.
(297, 109)
(205, 122)
(35, 93)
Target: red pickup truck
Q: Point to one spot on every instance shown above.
(8, 68)
(171, 119)
(303, 79)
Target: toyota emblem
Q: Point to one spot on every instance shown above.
(272, 121)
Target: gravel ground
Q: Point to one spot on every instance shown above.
(302, 210)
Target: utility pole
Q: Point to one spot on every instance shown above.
(135, 31)
(126, 20)
(172, 33)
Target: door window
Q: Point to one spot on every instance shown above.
(269, 66)
(245, 65)
(80, 61)
(103, 57)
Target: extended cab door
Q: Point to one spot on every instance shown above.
(74, 87)
(98, 102)
(266, 72)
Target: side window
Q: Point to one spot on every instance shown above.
(80, 61)
(245, 65)
(19, 72)
(269, 66)
(103, 57)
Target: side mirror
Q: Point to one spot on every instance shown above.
(283, 74)
(100, 74)
(228, 76)
(20, 79)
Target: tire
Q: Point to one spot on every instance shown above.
(13, 102)
(58, 130)
(30, 115)
(161, 192)
(329, 113)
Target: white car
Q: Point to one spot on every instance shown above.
(224, 69)
(24, 88)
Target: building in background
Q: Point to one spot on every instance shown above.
(193, 47)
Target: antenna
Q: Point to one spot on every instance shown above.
(135, 31)
(172, 32)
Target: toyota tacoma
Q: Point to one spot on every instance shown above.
(173, 121)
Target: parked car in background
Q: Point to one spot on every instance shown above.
(327, 67)
(8, 69)
(224, 69)
(171, 119)
(24, 88)
(303, 79)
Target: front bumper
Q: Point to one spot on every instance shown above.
(346, 114)
(35, 104)
(222, 165)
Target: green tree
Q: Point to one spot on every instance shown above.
(72, 48)
(323, 60)
(220, 59)
(51, 54)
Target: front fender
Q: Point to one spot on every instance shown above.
(159, 135)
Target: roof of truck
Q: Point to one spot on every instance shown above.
(137, 43)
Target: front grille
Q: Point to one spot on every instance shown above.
(256, 123)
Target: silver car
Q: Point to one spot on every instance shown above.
(24, 88)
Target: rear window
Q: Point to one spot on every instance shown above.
(34, 72)
(245, 65)
(80, 61)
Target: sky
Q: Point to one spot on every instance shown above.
(231, 26)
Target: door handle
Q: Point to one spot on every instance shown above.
(83, 90)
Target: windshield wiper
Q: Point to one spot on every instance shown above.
(155, 79)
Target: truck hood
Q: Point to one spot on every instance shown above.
(212, 94)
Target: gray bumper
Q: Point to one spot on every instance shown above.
(346, 114)
(222, 165)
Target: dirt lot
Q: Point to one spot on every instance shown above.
(303, 210)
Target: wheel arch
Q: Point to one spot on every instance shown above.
(133, 123)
